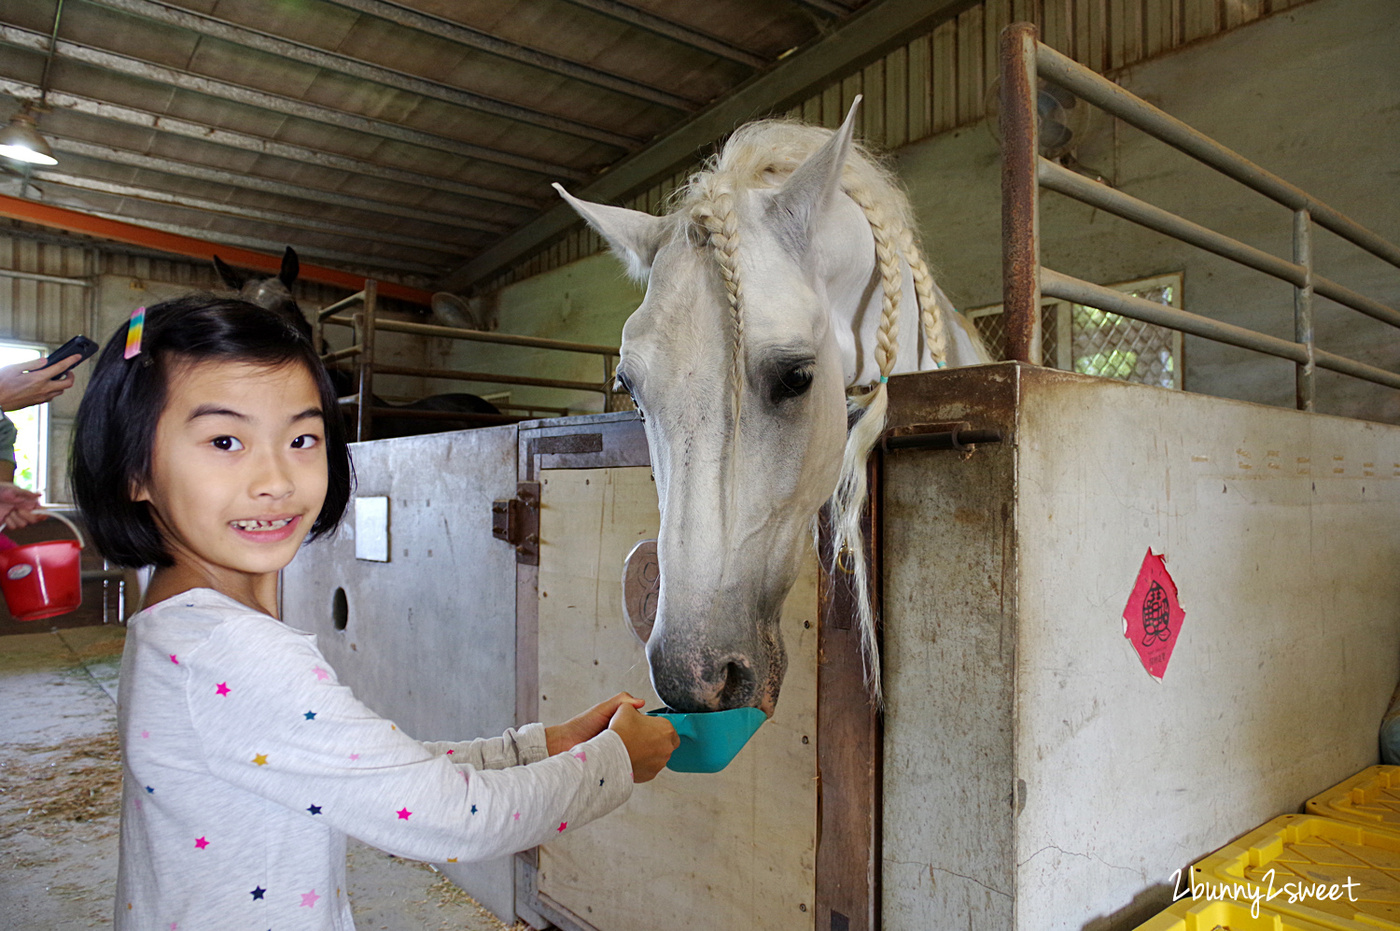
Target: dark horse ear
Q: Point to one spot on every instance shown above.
(230, 277)
(291, 265)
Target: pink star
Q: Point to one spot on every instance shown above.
(562, 826)
(450, 752)
(174, 926)
(403, 814)
(145, 733)
(581, 756)
(517, 816)
(321, 674)
(354, 756)
(222, 688)
(174, 660)
(201, 843)
(308, 899)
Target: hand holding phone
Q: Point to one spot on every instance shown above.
(79, 346)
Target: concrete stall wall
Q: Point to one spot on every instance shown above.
(1036, 775)
(1309, 92)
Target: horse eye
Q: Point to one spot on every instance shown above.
(792, 383)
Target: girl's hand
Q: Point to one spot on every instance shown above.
(649, 741)
(586, 726)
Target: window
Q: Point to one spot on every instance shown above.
(1094, 342)
(31, 424)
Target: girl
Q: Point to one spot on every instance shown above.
(210, 446)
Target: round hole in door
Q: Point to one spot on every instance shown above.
(340, 609)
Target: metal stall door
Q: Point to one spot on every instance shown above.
(736, 849)
(413, 602)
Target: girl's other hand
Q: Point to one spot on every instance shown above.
(649, 741)
(586, 726)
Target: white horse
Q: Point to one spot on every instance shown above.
(773, 287)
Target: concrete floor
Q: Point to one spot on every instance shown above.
(60, 791)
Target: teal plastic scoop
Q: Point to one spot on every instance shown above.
(709, 740)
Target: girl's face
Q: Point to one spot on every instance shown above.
(238, 470)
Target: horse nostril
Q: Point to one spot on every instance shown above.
(736, 685)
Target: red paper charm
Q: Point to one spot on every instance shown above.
(1153, 616)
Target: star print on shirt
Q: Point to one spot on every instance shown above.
(145, 734)
(174, 660)
(404, 814)
(260, 759)
(222, 688)
(321, 674)
(562, 826)
(308, 899)
(600, 783)
(473, 809)
(517, 816)
(354, 756)
(315, 809)
(258, 892)
(581, 756)
(310, 715)
(150, 790)
(201, 843)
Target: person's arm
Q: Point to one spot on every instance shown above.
(273, 720)
(534, 742)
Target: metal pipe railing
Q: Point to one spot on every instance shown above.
(365, 324)
(1023, 62)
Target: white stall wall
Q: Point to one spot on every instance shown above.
(1036, 776)
(1309, 93)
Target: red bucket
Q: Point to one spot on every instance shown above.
(41, 580)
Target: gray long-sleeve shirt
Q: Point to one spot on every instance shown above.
(246, 764)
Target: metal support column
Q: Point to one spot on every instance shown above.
(1020, 194)
(1302, 308)
(364, 409)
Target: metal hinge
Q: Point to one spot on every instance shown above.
(517, 522)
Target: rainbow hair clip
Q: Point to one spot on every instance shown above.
(133, 333)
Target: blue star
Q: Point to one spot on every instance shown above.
(315, 809)
(473, 809)
(310, 715)
(258, 892)
(150, 790)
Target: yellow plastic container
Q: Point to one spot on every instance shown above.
(1372, 797)
(1338, 874)
(1224, 916)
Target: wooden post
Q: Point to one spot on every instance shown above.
(364, 417)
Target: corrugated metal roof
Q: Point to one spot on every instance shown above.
(373, 135)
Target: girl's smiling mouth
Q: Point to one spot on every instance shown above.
(266, 530)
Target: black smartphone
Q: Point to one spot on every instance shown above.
(79, 346)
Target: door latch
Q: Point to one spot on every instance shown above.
(517, 522)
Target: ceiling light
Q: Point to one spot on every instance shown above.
(21, 140)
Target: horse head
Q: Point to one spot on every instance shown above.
(274, 293)
(753, 324)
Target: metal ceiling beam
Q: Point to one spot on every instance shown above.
(201, 24)
(867, 34)
(197, 246)
(171, 166)
(365, 262)
(825, 7)
(283, 106)
(485, 42)
(89, 106)
(674, 31)
(281, 218)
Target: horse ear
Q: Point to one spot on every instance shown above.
(230, 277)
(635, 237)
(291, 266)
(795, 209)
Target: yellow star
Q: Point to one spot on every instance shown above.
(260, 759)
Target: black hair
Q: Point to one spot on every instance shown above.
(116, 426)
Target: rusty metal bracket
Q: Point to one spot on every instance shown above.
(958, 436)
(517, 521)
